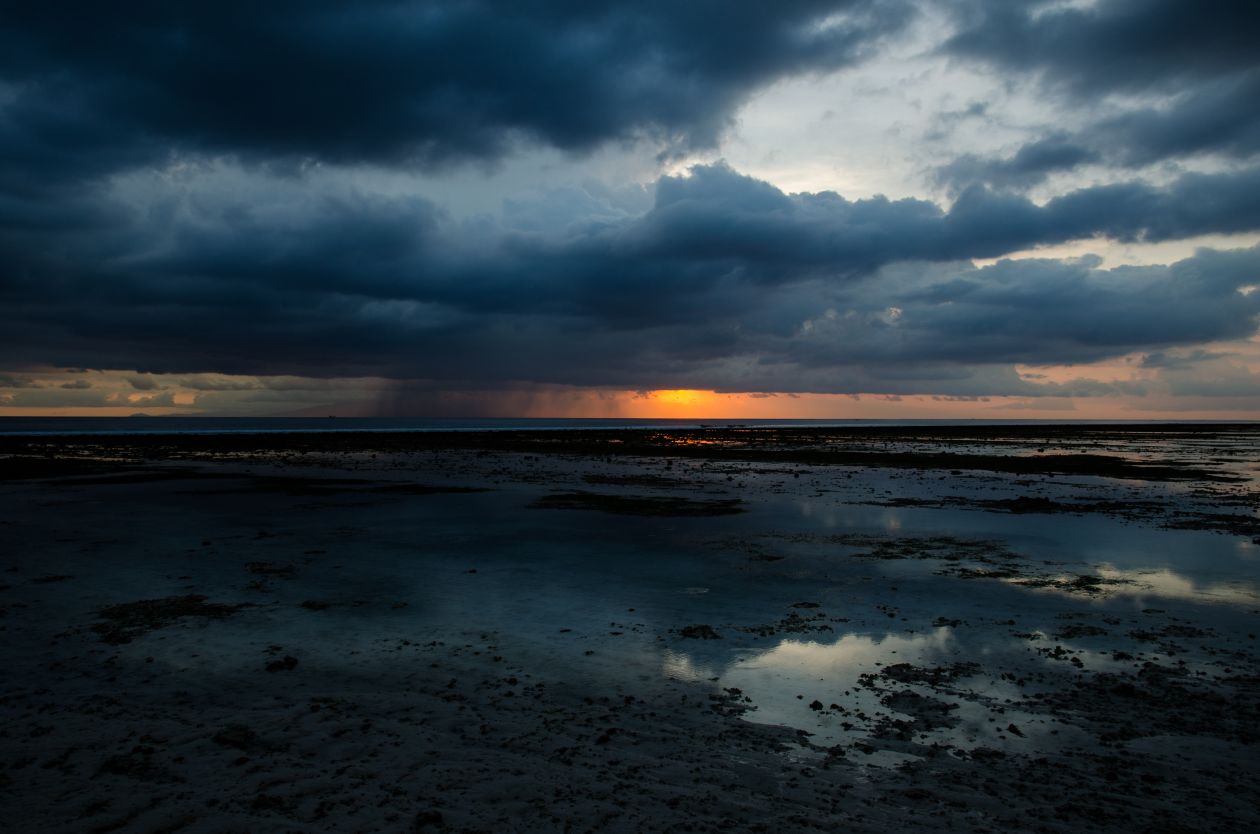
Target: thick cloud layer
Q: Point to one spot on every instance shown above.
(1112, 45)
(214, 188)
(725, 282)
(1166, 80)
(90, 86)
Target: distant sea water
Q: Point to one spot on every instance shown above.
(263, 425)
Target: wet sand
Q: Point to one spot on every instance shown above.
(934, 629)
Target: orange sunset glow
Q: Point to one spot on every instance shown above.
(83, 393)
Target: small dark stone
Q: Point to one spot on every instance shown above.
(284, 665)
(425, 819)
(236, 735)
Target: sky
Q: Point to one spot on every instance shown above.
(807, 208)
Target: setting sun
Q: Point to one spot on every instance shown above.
(676, 402)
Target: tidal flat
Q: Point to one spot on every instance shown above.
(971, 628)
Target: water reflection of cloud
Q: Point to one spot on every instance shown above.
(683, 667)
(776, 676)
(846, 657)
(783, 681)
(1169, 585)
(1161, 583)
(792, 662)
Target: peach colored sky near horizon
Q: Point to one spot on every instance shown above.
(110, 394)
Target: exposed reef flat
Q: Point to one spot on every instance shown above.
(1038, 449)
(1027, 628)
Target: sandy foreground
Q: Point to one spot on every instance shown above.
(985, 629)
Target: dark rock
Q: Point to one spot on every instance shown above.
(427, 819)
(283, 665)
(236, 735)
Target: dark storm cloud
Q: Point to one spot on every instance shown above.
(724, 281)
(144, 383)
(1027, 167)
(1180, 359)
(732, 225)
(1218, 118)
(713, 228)
(1184, 77)
(89, 87)
(1032, 310)
(163, 207)
(1111, 45)
(1238, 383)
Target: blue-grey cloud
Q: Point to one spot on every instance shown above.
(1028, 166)
(1218, 378)
(16, 381)
(120, 249)
(87, 87)
(1111, 45)
(724, 281)
(1182, 359)
(1179, 81)
(1216, 119)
